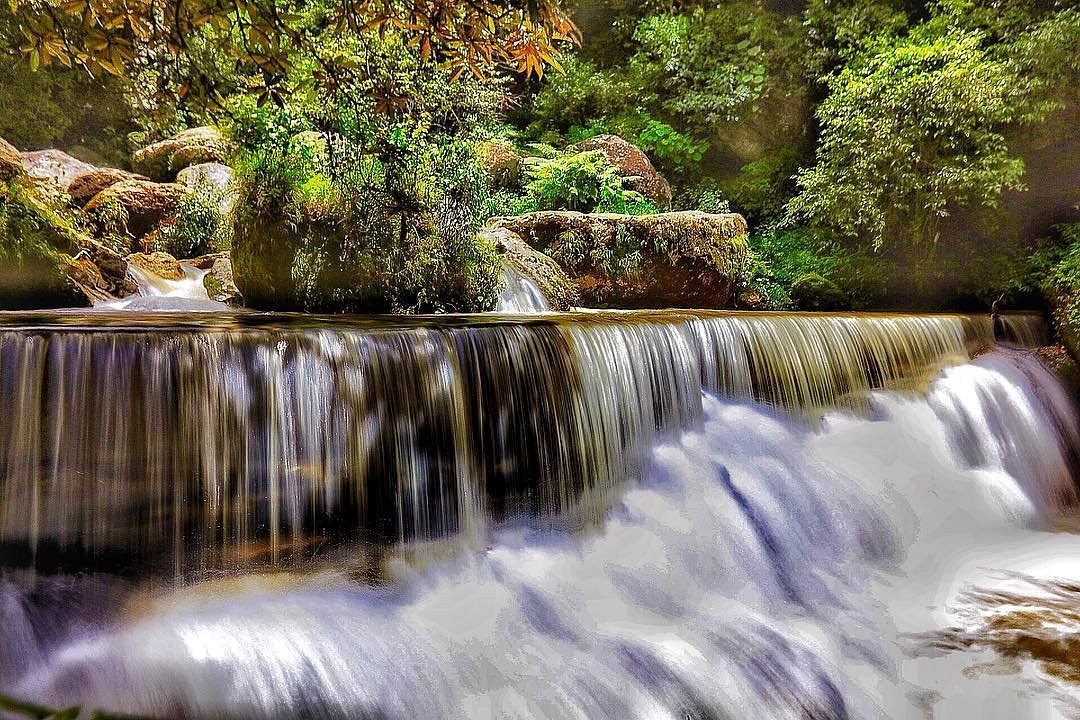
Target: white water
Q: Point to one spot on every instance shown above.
(760, 570)
(158, 294)
(520, 295)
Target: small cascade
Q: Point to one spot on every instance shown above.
(158, 294)
(520, 295)
(205, 442)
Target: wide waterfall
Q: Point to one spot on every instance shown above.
(591, 515)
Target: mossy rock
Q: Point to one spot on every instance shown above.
(162, 160)
(560, 291)
(11, 164)
(814, 292)
(36, 245)
(142, 206)
(501, 162)
(682, 259)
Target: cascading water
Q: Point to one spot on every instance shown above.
(158, 294)
(520, 295)
(637, 515)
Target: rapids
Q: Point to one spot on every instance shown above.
(641, 515)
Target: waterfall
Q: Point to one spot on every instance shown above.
(196, 445)
(158, 294)
(761, 566)
(520, 295)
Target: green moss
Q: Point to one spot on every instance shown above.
(813, 292)
(35, 246)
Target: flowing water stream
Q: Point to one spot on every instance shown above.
(591, 515)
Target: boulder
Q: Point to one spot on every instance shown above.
(84, 187)
(219, 280)
(216, 178)
(161, 264)
(146, 204)
(682, 259)
(162, 160)
(634, 163)
(55, 165)
(1058, 359)
(11, 163)
(556, 286)
(500, 161)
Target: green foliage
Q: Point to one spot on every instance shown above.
(34, 238)
(912, 129)
(813, 292)
(583, 181)
(198, 227)
(392, 234)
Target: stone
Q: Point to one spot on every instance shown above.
(554, 284)
(216, 178)
(218, 281)
(11, 162)
(682, 259)
(146, 203)
(501, 162)
(84, 187)
(55, 165)
(632, 162)
(161, 264)
(163, 160)
(814, 292)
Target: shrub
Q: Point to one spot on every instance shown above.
(813, 292)
(583, 181)
(199, 226)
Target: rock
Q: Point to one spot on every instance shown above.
(219, 280)
(814, 292)
(162, 160)
(556, 286)
(161, 264)
(1058, 359)
(55, 165)
(500, 161)
(146, 203)
(217, 178)
(11, 162)
(682, 259)
(84, 187)
(634, 163)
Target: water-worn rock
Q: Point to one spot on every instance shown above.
(554, 284)
(84, 187)
(162, 160)
(161, 264)
(680, 259)
(1057, 358)
(219, 280)
(500, 161)
(55, 165)
(146, 204)
(631, 161)
(217, 178)
(11, 164)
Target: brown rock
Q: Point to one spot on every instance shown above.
(500, 161)
(161, 264)
(681, 259)
(634, 163)
(11, 164)
(84, 187)
(55, 165)
(219, 280)
(146, 203)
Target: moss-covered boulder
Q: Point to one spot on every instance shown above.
(161, 264)
(36, 249)
(218, 280)
(501, 162)
(681, 259)
(11, 164)
(134, 207)
(162, 160)
(560, 291)
(814, 292)
(632, 162)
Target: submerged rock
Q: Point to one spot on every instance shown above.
(162, 160)
(680, 259)
(146, 204)
(55, 165)
(559, 290)
(634, 163)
